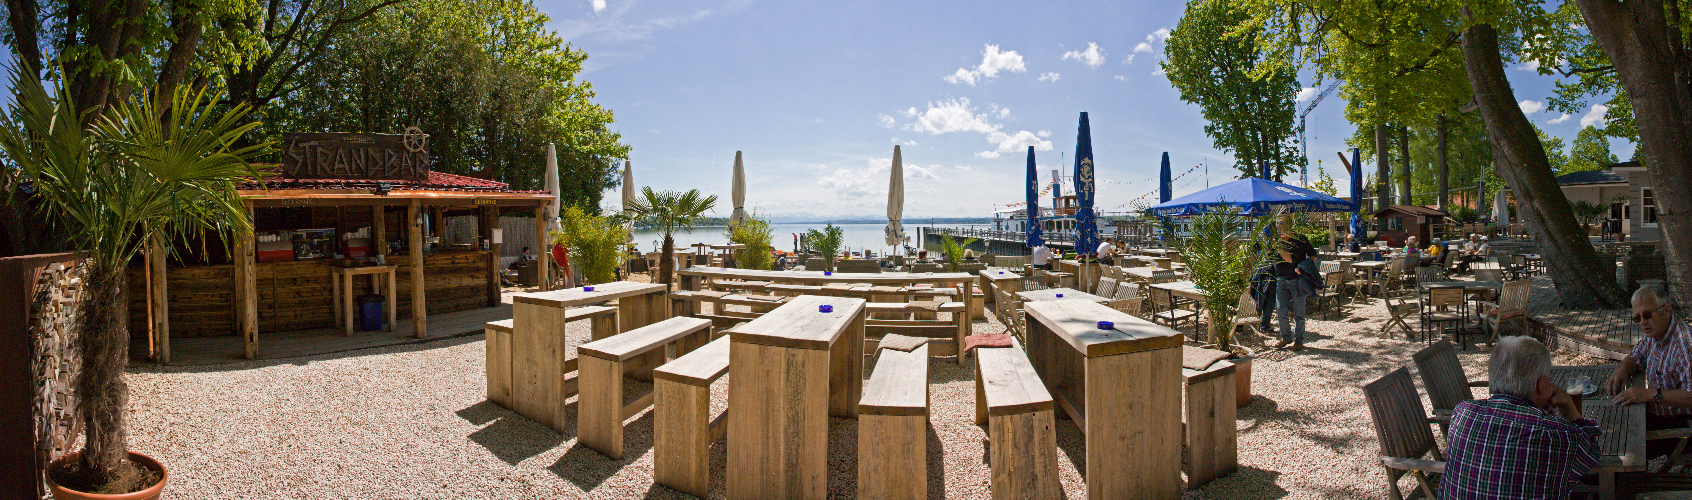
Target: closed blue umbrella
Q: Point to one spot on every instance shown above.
(1086, 223)
(1356, 195)
(1263, 169)
(1163, 180)
(1033, 233)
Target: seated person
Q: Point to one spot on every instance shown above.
(523, 259)
(1662, 355)
(1352, 245)
(1410, 246)
(1042, 258)
(922, 257)
(1529, 440)
(1475, 250)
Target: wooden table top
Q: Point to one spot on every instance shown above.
(1076, 322)
(1488, 285)
(736, 246)
(799, 324)
(363, 270)
(1369, 264)
(577, 297)
(818, 277)
(1147, 272)
(1051, 294)
(1622, 444)
(1186, 289)
(999, 274)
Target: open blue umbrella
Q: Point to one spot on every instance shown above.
(1252, 197)
(1163, 180)
(1356, 195)
(1033, 232)
(1086, 223)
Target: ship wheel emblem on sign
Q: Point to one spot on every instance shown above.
(415, 139)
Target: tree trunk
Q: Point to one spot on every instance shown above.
(667, 261)
(26, 30)
(186, 28)
(1404, 195)
(1583, 280)
(1651, 57)
(1444, 168)
(113, 34)
(103, 315)
(1383, 170)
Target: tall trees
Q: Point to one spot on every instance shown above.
(1648, 44)
(1590, 151)
(1211, 60)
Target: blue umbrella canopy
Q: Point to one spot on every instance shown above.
(1163, 180)
(1086, 222)
(1356, 194)
(1253, 197)
(1033, 207)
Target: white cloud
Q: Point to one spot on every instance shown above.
(1044, 133)
(1093, 56)
(992, 62)
(870, 181)
(886, 121)
(911, 112)
(598, 5)
(1529, 66)
(1004, 112)
(1158, 71)
(1531, 106)
(1161, 33)
(1143, 47)
(1120, 78)
(951, 116)
(1011, 143)
(1130, 59)
(910, 143)
(1561, 119)
(1595, 116)
(1304, 94)
(1048, 77)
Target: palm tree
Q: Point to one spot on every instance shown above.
(670, 211)
(140, 173)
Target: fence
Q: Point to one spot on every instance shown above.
(37, 408)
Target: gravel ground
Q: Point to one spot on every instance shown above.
(410, 422)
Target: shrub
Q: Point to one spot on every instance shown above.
(755, 234)
(599, 244)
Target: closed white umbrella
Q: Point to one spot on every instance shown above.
(628, 186)
(552, 187)
(739, 215)
(1500, 211)
(896, 201)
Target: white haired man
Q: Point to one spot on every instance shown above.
(1528, 440)
(1662, 355)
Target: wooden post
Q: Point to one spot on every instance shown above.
(246, 287)
(490, 217)
(160, 301)
(542, 250)
(379, 226)
(419, 305)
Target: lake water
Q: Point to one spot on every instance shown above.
(857, 236)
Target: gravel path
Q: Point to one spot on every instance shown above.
(410, 422)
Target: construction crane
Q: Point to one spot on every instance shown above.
(1304, 170)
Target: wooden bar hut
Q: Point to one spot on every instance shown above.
(1398, 222)
(336, 200)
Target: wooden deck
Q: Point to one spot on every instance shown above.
(1605, 333)
(289, 344)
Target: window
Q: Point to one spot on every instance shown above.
(1648, 205)
(1395, 224)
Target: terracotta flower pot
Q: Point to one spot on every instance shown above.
(150, 493)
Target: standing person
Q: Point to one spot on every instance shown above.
(1529, 440)
(1292, 290)
(1263, 288)
(1662, 355)
(1107, 252)
(1042, 258)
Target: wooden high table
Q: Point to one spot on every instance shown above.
(793, 368)
(539, 354)
(1621, 447)
(1121, 386)
(999, 279)
(1051, 294)
(344, 292)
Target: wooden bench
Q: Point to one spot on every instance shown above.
(600, 408)
(687, 304)
(528, 370)
(893, 427)
(684, 427)
(1021, 433)
(1211, 436)
(948, 335)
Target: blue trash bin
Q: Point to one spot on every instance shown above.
(370, 312)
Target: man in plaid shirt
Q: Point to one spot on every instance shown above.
(1512, 445)
(1662, 355)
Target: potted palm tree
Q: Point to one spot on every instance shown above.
(599, 243)
(755, 233)
(149, 170)
(670, 211)
(827, 242)
(953, 250)
(1220, 261)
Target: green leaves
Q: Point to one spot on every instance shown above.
(953, 250)
(826, 242)
(599, 243)
(756, 234)
(1220, 258)
(1212, 59)
(670, 211)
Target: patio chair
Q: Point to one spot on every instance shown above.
(1166, 310)
(1008, 308)
(1452, 261)
(1427, 274)
(1443, 305)
(1443, 378)
(1405, 433)
(1518, 268)
(1332, 288)
(1245, 314)
(1401, 305)
(1510, 308)
(1031, 282)
(1106, 288)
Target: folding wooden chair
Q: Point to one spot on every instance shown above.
(1443, 305)
(1403, 429)
(1443, 378)
(1510, 308)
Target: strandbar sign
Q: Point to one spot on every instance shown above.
(338, 155)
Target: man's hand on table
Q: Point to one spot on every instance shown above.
(1634, 396)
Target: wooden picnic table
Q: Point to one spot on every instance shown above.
(999, 279)
(381, 279)
(1622, 445)
(817, 277)
(1186, 289)
(1051, 294)
(793, 368)
(538, 356)
(1122, 387)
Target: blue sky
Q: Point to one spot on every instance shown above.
(816, 95)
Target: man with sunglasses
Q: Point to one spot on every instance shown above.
(1663, 356)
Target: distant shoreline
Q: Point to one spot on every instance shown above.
(907, 222)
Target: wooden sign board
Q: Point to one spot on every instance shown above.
(356, 156)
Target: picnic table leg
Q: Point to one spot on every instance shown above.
(779, 401)
(1607, 485)
(846, 371)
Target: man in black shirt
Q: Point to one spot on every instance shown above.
(1291, 291)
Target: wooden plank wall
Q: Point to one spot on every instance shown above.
(297, 295)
